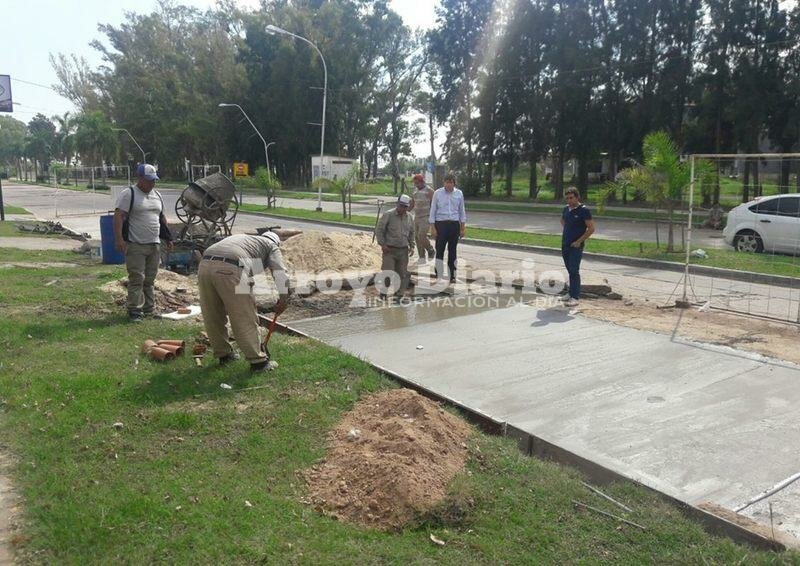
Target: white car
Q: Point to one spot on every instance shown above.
(770, 224)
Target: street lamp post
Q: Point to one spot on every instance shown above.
(272, 30)
(266, 149)
(230, 105)
(144, 157)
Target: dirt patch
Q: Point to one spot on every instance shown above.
(9, 511)
(172, 290)
(389, 460)
(314, 252)
(37, 264)
(767, 338)
(763, 531)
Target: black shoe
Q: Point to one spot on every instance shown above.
(135, 317)
(232, 357)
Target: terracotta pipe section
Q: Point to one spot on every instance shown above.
(171, 348)
(161, 354)
(147, 346)
(181, 343)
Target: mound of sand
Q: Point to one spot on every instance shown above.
(390, 459)
(314, 252)
(172, 290)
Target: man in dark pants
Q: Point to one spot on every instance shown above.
(578, 226)
(448, 220)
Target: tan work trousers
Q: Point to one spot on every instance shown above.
(397, 260)
(421, 229)
(217, 282)
(142, 261)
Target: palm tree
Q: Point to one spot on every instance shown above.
(662, 178)
(95, 140)
(65, 137)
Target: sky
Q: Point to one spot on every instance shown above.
(30, 30)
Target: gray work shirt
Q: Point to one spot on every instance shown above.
(144, 222)
(422, 203)
(394, 230)
(241, 246)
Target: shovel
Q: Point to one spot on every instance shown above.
(269, 335)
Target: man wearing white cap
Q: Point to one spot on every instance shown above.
(223, 297)
(139, 227)
(395, 235)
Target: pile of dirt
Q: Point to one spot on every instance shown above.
(390, 460)
(314, 252)
(172, 291)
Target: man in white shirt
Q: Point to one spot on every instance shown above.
(448, 220)
(138, 221)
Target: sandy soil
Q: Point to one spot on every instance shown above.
(389, 460)
(772, 339)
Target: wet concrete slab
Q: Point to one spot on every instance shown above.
(698, 422)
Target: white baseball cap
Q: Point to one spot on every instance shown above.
(404, 200)
(273, 237)
(147, 171)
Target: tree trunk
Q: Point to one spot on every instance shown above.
(746, 182)
(433, 139)
(613, 165)
(533, 184)
(583, 176)
(757, 188)
(670, 234)
(785, 172)
(510, 176)
(558, 175)
(488, 174)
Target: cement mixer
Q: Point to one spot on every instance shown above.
(209, 202)
(207, 208)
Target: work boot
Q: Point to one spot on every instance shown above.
(232, 357)
(261, 366)
(135, 317)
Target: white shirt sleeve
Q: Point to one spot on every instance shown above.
(124, 200)
(434, 206)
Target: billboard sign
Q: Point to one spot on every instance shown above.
(5, 94)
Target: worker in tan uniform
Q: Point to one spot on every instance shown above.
(395, 236)
(421, 206)
(225, 283)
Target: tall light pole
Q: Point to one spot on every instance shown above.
(229, 105)
(266, 149)
(272, 30)
(144, 157)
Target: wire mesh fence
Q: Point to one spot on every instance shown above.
(761, 234)
(103, 180)
(200, 171)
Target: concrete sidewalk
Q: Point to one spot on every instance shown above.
(700, 423)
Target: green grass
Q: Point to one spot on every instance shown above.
(171, 485)
(8, 229)
(11, 209)
(758, 263)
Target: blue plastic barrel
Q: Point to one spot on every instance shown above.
(110, 253)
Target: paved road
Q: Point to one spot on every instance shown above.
(656, 285)
(49, 202)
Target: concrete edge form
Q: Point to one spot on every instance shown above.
(744, 276)
(532, 445)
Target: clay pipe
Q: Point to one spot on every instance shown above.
(172, 348)
(181, 343)
(147, 346)
(161, 354)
